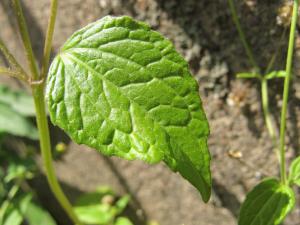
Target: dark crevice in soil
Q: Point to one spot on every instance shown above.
(141, 217)
(227, 198)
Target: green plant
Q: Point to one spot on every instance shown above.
(271, 200)
(17, 200)
(121, 88)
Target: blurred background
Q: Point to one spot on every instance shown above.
(204, 33)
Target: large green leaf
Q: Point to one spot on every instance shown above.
(294, 176)
(122, 88)
(267, 204)
(12, 122)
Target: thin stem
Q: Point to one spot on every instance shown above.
(42, 123)
(274, 56)
(286, 91)
(13, 73)
(12, 192)
(266, 111)
(10, 58)
(49, 37)
(237, 23)
(40, 106)
(26, 39)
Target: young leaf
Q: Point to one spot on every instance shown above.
(294, 176)
(122, 88)
(267, 204)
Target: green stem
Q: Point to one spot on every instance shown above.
(48, 40)
(42, 123)
(10, 58)
(286, 91)
(266, 111)
(12, 192)
(13, 73)
(26, 39)
(40, 106)
(237, 23)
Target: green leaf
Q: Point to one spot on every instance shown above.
(91, 208)
(122, 203)
(123, 221)
(19, 101)
(35, 215)
(14, 214)
(121, 88)
(95, 214)
(267, 204)
(294, 175)
(275, 74)
(12, 122)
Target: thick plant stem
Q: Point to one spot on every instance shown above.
(236, 21)
(42, 123)
(26, 40)
(289, 63)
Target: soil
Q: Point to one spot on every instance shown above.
(203, 32)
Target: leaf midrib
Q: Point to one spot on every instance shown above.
(76, 60)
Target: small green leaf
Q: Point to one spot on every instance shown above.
(12, 122)
(95, 214)
(294, 175)
(19, 101)
(247, 75)
(35, 215)
(267, 204)
(14, 214)
(275, 74)
(122, 88)
(123, 221)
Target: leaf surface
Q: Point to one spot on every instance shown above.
(267, 204)
(294, 176)
(121, 88)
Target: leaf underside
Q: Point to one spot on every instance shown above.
(267, 204)
(121, 88)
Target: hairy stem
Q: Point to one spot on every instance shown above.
(26, 39)
(287, 79)
(48, 40)
(10, 58)
(13, 73)
(237, 23)
(38, 85)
